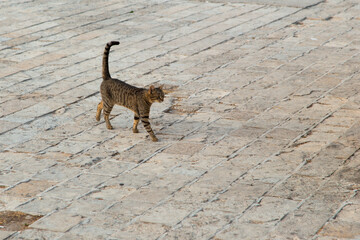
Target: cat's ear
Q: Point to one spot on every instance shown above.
(161, 87)
(151, 89)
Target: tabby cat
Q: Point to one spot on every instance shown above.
(139, 100)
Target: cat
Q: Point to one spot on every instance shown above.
(139, 100)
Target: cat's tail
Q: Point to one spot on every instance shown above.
(105, 63)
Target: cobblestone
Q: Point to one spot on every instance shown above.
(259, 133)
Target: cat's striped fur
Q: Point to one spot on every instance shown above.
(114, 91)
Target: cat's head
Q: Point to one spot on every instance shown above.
(156, 94)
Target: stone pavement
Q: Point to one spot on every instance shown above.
(259, 133)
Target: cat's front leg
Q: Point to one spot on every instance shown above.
(147, 126)
(107, 121)
(154, 138)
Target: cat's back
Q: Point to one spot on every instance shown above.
(117, 85)
(120, 92)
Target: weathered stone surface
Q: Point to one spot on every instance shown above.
(245, 230)
(270, 209)
(29, 189)
(258, 134)
(42, 205)
(35, 233)
(57, 222)
(167, 214)
(341, 229)
(290, 3)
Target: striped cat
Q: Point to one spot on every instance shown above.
(139, 100)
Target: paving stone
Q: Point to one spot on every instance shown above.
(184, 148)
(129, 208)
(111, 167)
(148, 195)
(329, 155)
(240, 196)
(112, 193)
(347, 173)
(58, 222)
(35, 234)
(143, 230)
(92, 229)
(29, 189)
(331, 194)
(202, 225)
(259, 213)
(273, 170)
(224, 147)
(84, 235)
(349, 213)
(203, 162)
(86, 180)
(35, 166)
(10, 178)
(6, 234)
(300, 224)
(66, 193)
(42, 205)
(245, 231)
(59, 172)
(173, 181)
(165, 214)
(296, 187)
(71, 147)
(341, 229)
(282, 133)
(138, 153)
(38, 145)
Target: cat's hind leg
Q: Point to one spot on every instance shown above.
(99, 109)
(136, 122)
(107, 109)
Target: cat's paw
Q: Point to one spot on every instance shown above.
(110, 127)
(135, 130)
(97, 118)
(154, 139)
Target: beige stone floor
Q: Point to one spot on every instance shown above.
(259, 132)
